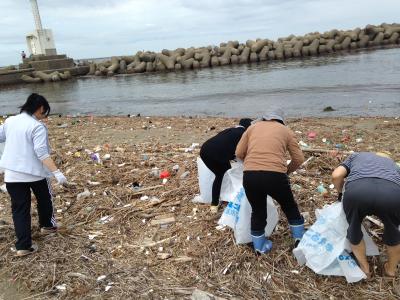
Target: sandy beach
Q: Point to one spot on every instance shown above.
(114, 243)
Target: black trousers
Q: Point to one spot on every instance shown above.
(258, 185)
(20, 193)
(219, 168)
(372, 196)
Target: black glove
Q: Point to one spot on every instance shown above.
(340, 196)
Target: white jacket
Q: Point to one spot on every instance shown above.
(26, 145)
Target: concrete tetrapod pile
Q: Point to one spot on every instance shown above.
(39, 76)
(233, 52)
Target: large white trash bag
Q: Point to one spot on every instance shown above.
(206, 179)
(323, 246)
(237, 214)
(1, 154)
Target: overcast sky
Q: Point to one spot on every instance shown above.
(99, 28)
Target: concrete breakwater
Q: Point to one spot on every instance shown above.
(260, 50)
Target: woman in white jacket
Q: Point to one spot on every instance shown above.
(27, 167)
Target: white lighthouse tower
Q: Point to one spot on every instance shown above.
(41, 41)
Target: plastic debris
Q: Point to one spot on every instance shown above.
(322, 190)
(155, 172)
(101, 278)
(3, 188)
(163, 256)
(192, 147)
(93, 183)
(106, 219)
(302, 144)
(184, 175)
(61, 287)
(106, 157)
(85, 194)
(312, 135)
(296, 187)
(164, 174)
(107, 288)
(95, 157)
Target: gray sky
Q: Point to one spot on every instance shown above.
(99, 28)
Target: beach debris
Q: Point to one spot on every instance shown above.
(162, 221)
(192, 147)
(164, 174)
(163, 256)
(312, 135)
(108, 287)
(78, 275)
(328, 109)
(184, 175)
(306, 216)
(95, 157)
(106, 219)
(296, 187)
(155, 172)
(101, 278)
(61, 287)
(322, 190)
(93, 183)
(107, 156)
(127, 250)
(201, 295)
(375, 221)
(183, 259)
(85, 194)
(3, 188)
(303, 144)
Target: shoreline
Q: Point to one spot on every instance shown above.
(112, 231)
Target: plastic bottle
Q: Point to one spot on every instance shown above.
(322, 190)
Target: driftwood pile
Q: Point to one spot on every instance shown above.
(260, 50)
(39, 76)
(126, 235)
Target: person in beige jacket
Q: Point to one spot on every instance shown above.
(263, 148)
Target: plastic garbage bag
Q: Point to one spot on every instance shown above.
(237, 214)
(324, 245)
(232, 182)
(206, 179)
(1, 153)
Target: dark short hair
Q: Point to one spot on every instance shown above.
(245, 122)
(33, 103)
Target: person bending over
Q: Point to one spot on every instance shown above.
(371, 187)
(218, 151)
(263, 147)
(28, 165)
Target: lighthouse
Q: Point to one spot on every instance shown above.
(40, 41)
